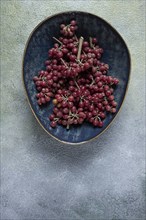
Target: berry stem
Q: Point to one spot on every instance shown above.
(90, 41)
(56, 119)
(84, 53)
(80, 48)
(76, 84)
(64, 62)
(67, 127)
(76, 39)
(93, 81)
(99, 119)
(57, 40)
(82, 98)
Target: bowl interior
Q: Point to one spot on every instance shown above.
(115, 54)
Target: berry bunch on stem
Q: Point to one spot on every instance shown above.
(76, 80)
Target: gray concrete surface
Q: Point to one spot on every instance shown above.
(44, 179)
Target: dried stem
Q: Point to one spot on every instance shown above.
(67, 127)
(64, 62)
(76, 38)
(56, 119)
(93, 81)
(84, 53)
(57, 40)
(97, 117)
(76, 84)
(90, 40)
(80, 48)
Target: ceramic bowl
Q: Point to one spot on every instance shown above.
(116, 54)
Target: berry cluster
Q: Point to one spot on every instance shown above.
(77, 81)
(69, 30)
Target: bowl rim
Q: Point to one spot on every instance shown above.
(23, 57)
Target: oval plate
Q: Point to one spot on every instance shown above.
(116, 54)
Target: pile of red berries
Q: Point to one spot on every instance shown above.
(77, 81)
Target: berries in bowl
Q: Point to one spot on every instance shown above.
(76, 70)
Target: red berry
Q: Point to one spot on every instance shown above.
(51, 117)
(113, 110)
(59, 114)
(75, 50)
(94, 40)
(100, 124)
(43, 100)
(108, 93)
(111, 98)
(53, 124)
(108, 108)
(47, 98)
(59, 54)
(95, 122)
(62, 26)
(35, 78)
(102, 115)
(114, 104)
(116, 81)
(71, 98)
(73, 23)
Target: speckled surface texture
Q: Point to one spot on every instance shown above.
(44, 179)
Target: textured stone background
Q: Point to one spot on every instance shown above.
(44, 179)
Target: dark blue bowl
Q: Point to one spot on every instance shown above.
(116, 54)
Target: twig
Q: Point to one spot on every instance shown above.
(80, 48)
(57, 40)
(67, 127)
(91, 44)
(84, 53)
(76, 38)
(93, 81)
(76, 84)
(63, 62)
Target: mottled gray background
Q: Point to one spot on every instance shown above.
(44, 179)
